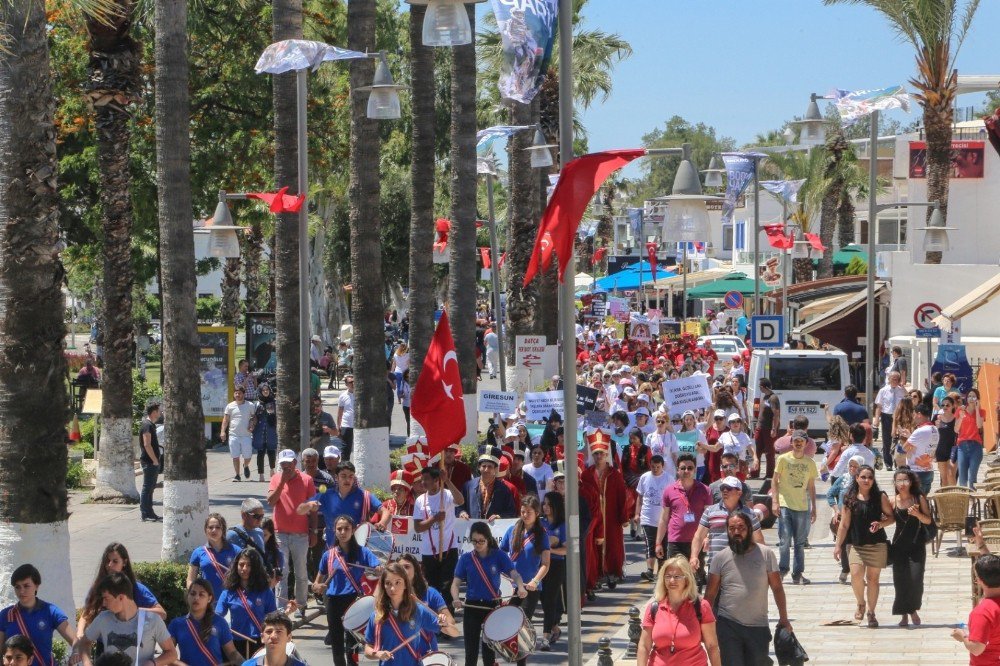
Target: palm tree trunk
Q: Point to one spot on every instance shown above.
(827, 222)
(229, 310)
(937, 124)
(185, 490)
(845, 221)
(286, 23)
(113, 87)
(422, 208)
(462, 270)
(371, 424)
(33, 400)
(802, 270)
(253, 280)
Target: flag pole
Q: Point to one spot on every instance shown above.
(440, 554)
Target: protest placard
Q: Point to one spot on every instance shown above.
(687, 393)
(405, 539)
(500, 402)
(540, 405)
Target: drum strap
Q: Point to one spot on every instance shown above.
(430, 533)
(219, 568)
(366, 506)
(482, 574)
(249, 609)
(15, 612)
(199, 642)
(402, 639)
(527, 539)
(335, 556)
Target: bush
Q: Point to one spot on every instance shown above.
(60, 651)
(381, 494)
(86, 448)
(166, 581)
(76, 476)
(857, 266)
(88, 429)
(208, 308)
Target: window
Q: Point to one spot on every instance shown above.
(727, 237)
(805, 374)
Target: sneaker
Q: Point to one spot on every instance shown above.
(648, 575)
(843, 578)
(246, 471)
(153, 518)
(800, 580)
(807, 545)
(542, 645)
(236, 479)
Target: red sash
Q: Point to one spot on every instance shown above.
(336, 556)
(482, 574)
(366, 506)
(399, 634)
(15, 612)
(201, 644)
(524, 544)
(219, 568)
(430, 532)
(249, 609)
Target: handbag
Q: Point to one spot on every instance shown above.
(930, 532)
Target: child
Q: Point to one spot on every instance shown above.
(18, 651)
(982, 640)
(33, 618)
(276, 635)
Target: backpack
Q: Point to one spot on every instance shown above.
(655, 606)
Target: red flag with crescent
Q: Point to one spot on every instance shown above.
(776, 237)
(484, 252)
(815, 242)
(437, 401)
(279, 201)
(598, 255)
(651, 253)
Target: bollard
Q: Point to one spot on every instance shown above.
(604, 652)
(634, 631)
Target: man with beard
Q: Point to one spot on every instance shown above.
(739, 578)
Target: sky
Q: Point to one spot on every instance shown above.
(746, 66)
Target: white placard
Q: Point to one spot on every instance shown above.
(407, 540)
(687, 393)
(528, 351)
(540, 405)
(500, 402)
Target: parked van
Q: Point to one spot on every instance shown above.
(804, 380)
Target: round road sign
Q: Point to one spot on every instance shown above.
(733, 300)
(925, 313)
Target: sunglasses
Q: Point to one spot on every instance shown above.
(866, 478)
(257, 516)
(659, 422)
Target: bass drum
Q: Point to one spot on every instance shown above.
(290, 650)
(509, 633)
(357, 615)
(437, 659)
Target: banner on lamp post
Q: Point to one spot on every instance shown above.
(740, 168)
(527, 33)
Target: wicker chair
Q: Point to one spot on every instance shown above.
(990, 527)
(949, 507)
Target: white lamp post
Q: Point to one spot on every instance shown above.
(714, 173)
(935, 233)
(813, 126)
(540, 151)
(446, 22)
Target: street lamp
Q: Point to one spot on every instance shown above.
(714, 172)
(788, 135)
(540, 151)
(222, 239)
(446, 22)
(813, 125)
(936, 233)
(383, 102)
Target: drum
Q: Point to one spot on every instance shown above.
(509, 633)
(380, 543)
(437, 659)
(506, 587)
(357, 615)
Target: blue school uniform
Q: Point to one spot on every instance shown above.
(332, 505)
(188, 644)
(203, 559)
(143, 597)
(434, 600)
(40, 622)
(261, 603)
(495, 563)
(384, 636)
(340, 581)
(529, 559)
(259, 661)
(557, 532)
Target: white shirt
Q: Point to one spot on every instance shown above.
(925, 438)
(346, 402)
(845, 458)
(736, 443)
(664, 445)
(650, 489)
(426, 506)
(542, 475)
(239, 418)
(402, 361)
(887, 399)
(492, 341)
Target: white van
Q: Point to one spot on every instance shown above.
(804, 381)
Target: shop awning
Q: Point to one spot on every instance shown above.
(837, 313)
(693, 279)
(823, 305)
(971, 302)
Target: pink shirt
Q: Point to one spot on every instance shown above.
(685, 510)
(300, 489)
(681, 630)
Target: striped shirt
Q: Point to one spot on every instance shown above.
(714, 519)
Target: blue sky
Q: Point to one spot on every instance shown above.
(746, 66)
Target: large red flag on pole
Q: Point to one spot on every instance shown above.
(437, 398)
(577, 185)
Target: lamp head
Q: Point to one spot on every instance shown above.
(222, 216)
(383, 101)
(936, 233)
(713, 174)
(446, 23)
(541, 152)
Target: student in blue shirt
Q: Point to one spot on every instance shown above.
(277, 634)
(425, 594)
(115, 559)
(33, 618)
(398, 617)
(247, 598)
(347, 499)
(527, 544)
(213, 560)
(481, 570)
(202, 637)
(340, 577)
(554, 522)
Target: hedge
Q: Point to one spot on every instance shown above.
(166, 581)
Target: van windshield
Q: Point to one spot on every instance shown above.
(805, 374)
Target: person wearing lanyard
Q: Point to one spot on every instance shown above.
(202, 637)
(247, 598)
(481, 570)
(346, 500)
(400, 630)
(340, 574)
(212, 561)
(434, 514)
(527, 544)
(33, 618)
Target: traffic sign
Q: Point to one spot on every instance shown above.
(928, 332)
(733, 300)
(767, 331)
(925, 313)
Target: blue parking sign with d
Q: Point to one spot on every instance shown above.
(767, 331)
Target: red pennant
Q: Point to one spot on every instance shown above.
(776, 237)
(280, 202)
(598, 255)
(437, 401)
(503, 258)
(442, 227)
(484, 252)
(815, 242)
(578, 182)
(651, 253)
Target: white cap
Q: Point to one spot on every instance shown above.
(689, 413)
(719, 413)
(642, 397)
(331, 452)
(732, 482)
(735, 417)
(642, 411)
(512, 432)
(287, 455)
(630, 391)
(626, 368)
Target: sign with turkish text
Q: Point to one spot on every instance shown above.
(967, 159)
(687, 442)
(687, 393)
(406, 539)
(539, 405)
(500, 402)
(528, 351)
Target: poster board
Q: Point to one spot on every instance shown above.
(988, 383)
(261, 334)
(217, 368)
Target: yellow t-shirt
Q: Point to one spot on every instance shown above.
(793, 484)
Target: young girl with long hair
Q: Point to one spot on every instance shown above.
(527, 544)
(400, 630)
(247, 598)
(554, 522)
(213, 560)
(203, 638)
(115, 559)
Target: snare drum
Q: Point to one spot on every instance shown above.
(357, 615)
(380, 543)
(437, 659)
(509, 633)
(506, 587)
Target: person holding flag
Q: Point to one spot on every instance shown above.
(434, 514)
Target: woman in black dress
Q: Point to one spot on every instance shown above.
(909, 545)
(946, 440)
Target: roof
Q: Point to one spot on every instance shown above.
(968, 303)
(845, 308)
(693, 279)
(823, 305)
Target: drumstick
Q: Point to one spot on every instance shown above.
(245, 637)
(404, 643)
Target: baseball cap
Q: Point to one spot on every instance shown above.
(512, 432)
(287, 455)
(689, 413)
(735, 417)
(719, 414)
(800, 434)
(331, 452)
(642, 411)
(626, 368)
(732, 482)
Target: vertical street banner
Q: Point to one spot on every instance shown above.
(261, 333)
(739, 173)
(527, 33)
(217, 361)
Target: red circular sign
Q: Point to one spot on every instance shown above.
(925, 313)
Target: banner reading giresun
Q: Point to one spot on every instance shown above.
(527, 31)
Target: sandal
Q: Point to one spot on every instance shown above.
(872, 622)
(905, 622)
(554, 636)
(860, 613)
(916, 619)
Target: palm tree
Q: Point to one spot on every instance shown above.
(936, 29)
(808, 166)
(371, 418)
(422, 178)
(33, 399)
(185, 490)
(114, 85)
(462, 239)
(833, 194)
(230, 307)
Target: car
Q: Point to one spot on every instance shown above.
(726, 346)
(717, 339)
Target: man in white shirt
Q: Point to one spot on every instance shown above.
(921, 445)
(492, 352)
(886, 401)
(434, 519)
(345, 417)
(857, 448)
(236, 429)
(648, 508)
(662, 442)
(539, 470)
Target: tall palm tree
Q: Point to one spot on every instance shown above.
(113, 86)
(936, 29)
(371, 418)
(230, 307)
(833, 194)
(422, 208)
(462, 239)
(33, 399)
(185, 489)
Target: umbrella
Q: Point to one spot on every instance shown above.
(735, 281)
(628, 278)
(843, 256)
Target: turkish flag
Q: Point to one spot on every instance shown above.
(437, 401)
(578, 182)
(776, 237)
(484, 252)
(598, 255)
(651, 253)
(279, 201)
(815, 242)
